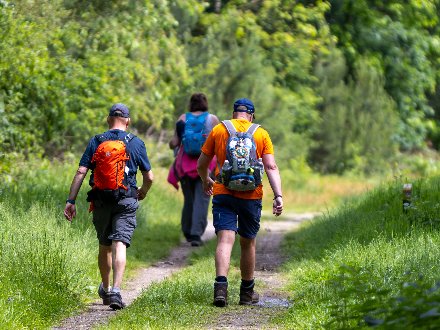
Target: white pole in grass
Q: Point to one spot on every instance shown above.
(406, 198)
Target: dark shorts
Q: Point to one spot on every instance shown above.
(115, 222)
(228, 210)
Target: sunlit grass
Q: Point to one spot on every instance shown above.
(49, 266)
(350, 266)
(317, 193)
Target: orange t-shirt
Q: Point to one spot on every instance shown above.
(215, 144)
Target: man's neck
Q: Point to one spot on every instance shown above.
(241, 117)
(121, 128)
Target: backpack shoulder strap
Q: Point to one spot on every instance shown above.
(188, 116)
(129, 137)
(204, 115)
(251, 130)
(229, 126)
(101, 138)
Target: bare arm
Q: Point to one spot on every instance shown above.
(273, 174)
(70, 209)
(203, 170)
(147, 181)
(215, 120)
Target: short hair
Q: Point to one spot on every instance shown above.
(198, 102)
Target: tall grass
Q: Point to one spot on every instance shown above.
(368, 264)
(49, 268)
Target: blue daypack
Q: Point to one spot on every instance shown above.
(194, 134)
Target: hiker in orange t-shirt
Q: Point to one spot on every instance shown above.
(244, 151)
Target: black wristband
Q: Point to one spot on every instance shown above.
(71, 201)
(277, 197)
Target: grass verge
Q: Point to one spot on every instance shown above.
(49, 268)
(368, 264)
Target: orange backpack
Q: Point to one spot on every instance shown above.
(109, 163)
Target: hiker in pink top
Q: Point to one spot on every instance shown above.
(191, 131)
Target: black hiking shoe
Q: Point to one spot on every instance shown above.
(249, 297)
(105, 296)
(197, 242)
(220, 294)
(116, 301)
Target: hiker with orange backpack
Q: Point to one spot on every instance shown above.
(114, 158)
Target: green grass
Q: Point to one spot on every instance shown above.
(49, 266)
(368, 263)
(352, 266)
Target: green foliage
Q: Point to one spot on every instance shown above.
(400, 36)
(64, 73)
(416, 305)
(358, 120)
(59, 76)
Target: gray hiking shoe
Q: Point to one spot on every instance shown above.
(116, 301)
(220, 294)
(248, 297)
(105, 296)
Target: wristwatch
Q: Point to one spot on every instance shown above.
(71, 201)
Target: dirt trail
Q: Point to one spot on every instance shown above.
(268, 259)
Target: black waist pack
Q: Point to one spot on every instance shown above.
(110, 196)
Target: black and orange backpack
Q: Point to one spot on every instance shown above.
(110, 171)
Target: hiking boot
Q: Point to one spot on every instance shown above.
(105, 296)
(220, 294)
(196, 242)
(116, 301)
(248, 297)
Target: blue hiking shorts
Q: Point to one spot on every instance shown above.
(115, 221)
(228, 210)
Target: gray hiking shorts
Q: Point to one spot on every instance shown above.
(115, 221)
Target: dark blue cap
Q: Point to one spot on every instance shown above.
(119, 110)
(244, 105)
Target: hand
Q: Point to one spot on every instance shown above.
(70, 211)
(141, 193)
(277, 206)
(208, 185)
